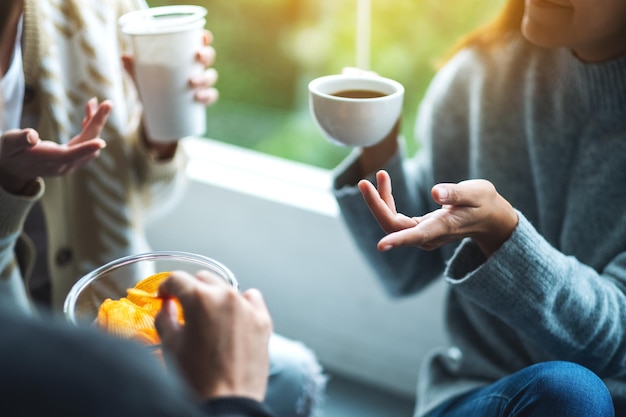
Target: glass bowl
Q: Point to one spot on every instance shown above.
(111, 281)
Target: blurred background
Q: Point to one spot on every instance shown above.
(268, 51)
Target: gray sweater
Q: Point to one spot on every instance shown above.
(550, 132)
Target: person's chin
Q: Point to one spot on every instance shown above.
(541, 35)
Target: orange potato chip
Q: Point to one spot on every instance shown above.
(132, 317)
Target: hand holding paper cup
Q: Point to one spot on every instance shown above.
(165, 41)
(355, 110)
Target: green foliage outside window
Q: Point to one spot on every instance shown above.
(268, 51)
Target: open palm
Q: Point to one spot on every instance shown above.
(25, 156)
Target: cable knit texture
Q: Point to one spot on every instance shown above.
(72, 52)
(550, 132)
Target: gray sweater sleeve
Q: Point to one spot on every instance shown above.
(14, 210)
(568, 308)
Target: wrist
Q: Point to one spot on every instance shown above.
(504, 226)
(222, 390)
(235, 406)
(26, 188)
(161, 151)
(374, 158)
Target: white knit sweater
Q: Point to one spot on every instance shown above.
(72, 51)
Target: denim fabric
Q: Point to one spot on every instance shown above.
(296, 383)
(546, 389)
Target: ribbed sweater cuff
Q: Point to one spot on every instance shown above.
(15, 208)
(525, 264)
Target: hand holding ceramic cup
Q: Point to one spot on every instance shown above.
(355, 110)
(165, 41)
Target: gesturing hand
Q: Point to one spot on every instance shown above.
(25, 156)
(470, 208)
(222, 349)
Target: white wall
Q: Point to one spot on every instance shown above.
(275, 225)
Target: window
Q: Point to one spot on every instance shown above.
(268, 51)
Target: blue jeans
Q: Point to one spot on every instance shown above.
(547, 389)
(296, 382)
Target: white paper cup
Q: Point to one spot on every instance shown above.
(164, 42)
(350, 121)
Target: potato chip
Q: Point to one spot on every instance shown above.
(132, 317)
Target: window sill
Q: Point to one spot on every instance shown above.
(261, 175)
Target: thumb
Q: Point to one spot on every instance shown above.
(443, 193)
(166, 322)
(32, 137)
(17, 140)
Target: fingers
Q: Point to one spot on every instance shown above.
(372, 198)
(90, 109)
(383, 206)
(470, 208)
(458, 217)
(206, 56)
(430, 233)
(203, 83)
(166, 321)
(52, 159)
(466, 193)
(17, 140)
(211, 278)
(186, 287)
(205, 80)
(179, 284)
(203, 86)
(376, 204)
(21, 161)
(207, 37)
(378, 199)
(384, 189)
(95, 120)
(76, 153)
(256, 300)
(77, 163)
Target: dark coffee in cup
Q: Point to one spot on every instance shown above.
(355, 110)
(359, 94)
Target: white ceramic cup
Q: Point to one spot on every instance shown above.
(350, 121)
(165, 41)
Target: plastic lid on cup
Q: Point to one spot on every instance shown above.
(164, 19)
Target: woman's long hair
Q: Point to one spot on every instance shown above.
(504, 27)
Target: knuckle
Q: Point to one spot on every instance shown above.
(264, 322)
(230, 297)
(455, 193)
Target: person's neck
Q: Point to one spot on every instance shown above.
(595, 55)
(12, 10)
